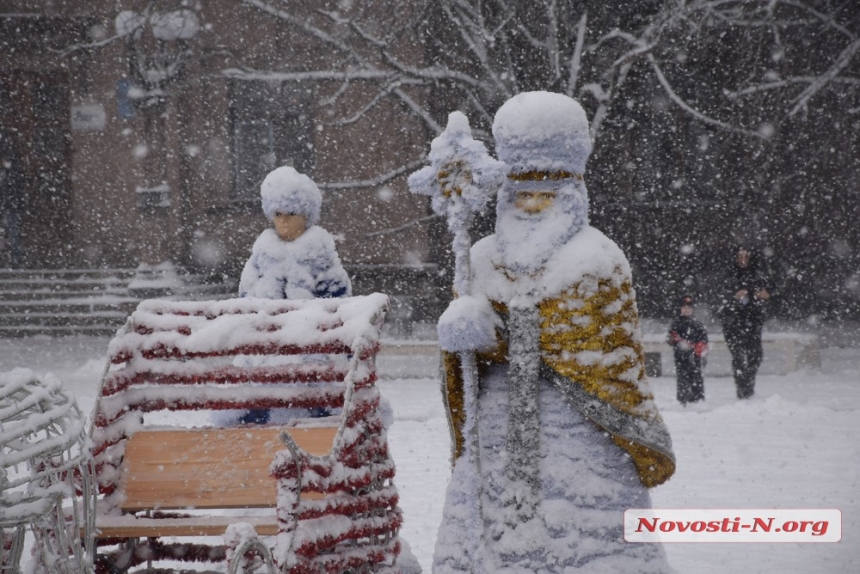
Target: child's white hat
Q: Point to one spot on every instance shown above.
(287, 191)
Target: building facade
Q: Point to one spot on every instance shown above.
(135, 134)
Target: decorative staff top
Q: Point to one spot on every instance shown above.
(459, 165)
(461, 178)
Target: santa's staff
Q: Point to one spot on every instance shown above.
(460, 179)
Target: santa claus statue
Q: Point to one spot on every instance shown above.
(566, 431)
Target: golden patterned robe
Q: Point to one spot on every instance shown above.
(590, 346)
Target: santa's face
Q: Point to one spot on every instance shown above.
(533, 202)
(535, 218)
(290, 226)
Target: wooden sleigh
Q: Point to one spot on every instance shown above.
(321, 487)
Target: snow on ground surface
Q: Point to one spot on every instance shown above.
(795, 445)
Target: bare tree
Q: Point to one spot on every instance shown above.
(480, 52)
(713, 59)
(733, 110)
(724, 112)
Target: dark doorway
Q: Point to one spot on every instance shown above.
(35, 157)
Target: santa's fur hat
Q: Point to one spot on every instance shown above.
(287, 191)
(542, 132)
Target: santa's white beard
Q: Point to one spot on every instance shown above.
(526, 241)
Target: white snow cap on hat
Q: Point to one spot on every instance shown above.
(287, 191)
(542, 131)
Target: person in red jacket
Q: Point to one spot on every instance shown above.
(690, 341)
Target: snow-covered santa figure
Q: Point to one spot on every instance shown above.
(567, 429)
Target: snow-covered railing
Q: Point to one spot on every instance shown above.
(336, 511)
(172, 329)
(45, 459)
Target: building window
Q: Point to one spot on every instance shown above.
(271, 127)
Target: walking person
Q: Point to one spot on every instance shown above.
(746, 295)
(689, 339)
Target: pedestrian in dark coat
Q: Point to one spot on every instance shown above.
(746, 294)
(689, 338)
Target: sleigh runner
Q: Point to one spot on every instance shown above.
(329, 479)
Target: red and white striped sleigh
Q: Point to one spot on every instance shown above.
(164, 473)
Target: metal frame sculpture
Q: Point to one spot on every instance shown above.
(46, 475)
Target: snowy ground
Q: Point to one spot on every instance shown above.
(795, 445)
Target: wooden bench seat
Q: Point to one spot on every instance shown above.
(129, 526)
(203, 469)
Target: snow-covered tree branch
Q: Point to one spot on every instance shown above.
(479, 53)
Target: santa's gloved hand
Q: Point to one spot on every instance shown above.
(468, 324)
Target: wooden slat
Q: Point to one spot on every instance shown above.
(130, 527)
(209, 468)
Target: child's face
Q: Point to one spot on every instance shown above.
(687, 310)
(290, 226)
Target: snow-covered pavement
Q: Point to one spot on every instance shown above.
(795, 445)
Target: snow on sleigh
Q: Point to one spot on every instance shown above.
(167, 478)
